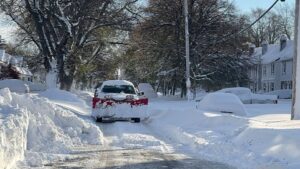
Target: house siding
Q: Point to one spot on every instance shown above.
(261, 76)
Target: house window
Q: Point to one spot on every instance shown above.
(284, 84)
(264, 87)
(284, 68)
(272, 86)
(290, 84)
(265, 70)
(272, 68)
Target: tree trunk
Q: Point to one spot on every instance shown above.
(66, 83)
(183, 88)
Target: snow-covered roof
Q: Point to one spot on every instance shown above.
(117, 82)
(16, 61)
(23, 71)
(273, 53)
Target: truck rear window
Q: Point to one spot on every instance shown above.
(118, 89)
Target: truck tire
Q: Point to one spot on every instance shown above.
(99, 119)
(136, 120)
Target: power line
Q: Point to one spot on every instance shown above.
(226, 37)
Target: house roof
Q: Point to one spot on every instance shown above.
(273, 53)
(16, 61)
(23, 71)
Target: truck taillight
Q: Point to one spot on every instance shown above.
(95, 101)
(143, 101)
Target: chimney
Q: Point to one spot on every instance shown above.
(283, 41)
(264, 46)
(251, 49)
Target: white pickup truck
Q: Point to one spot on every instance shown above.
(119, 100)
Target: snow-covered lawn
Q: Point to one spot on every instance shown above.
(36, 129)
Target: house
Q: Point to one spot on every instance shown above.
(13, 67)
(273, 66)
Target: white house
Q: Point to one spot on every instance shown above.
(273, 66)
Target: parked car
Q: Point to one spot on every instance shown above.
(247, 97)
(282, 94)
(119, 100)
(148, 90)
(222, 102)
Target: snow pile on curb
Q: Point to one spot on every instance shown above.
(20, 86)
(56, 94)
(13, 131)
(47, 128)
(243, 142)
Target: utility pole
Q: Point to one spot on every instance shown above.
(296, 67)
(187, 52)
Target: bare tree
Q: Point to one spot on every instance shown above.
(62, 29)
(272, 26)
(158, 41)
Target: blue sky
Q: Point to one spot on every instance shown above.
(247, 5)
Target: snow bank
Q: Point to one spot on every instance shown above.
(15, 85)
(202, 134)
(46, 127)
(61, 95)
(36, 87)
(222, 102)
(281, 147)
(268, 139)
(13, 131)
(20, 86)
(75, 102)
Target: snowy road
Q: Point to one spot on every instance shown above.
(55, 130)
(132, 146)
(125, 145)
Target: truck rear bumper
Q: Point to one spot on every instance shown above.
(121, 112)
